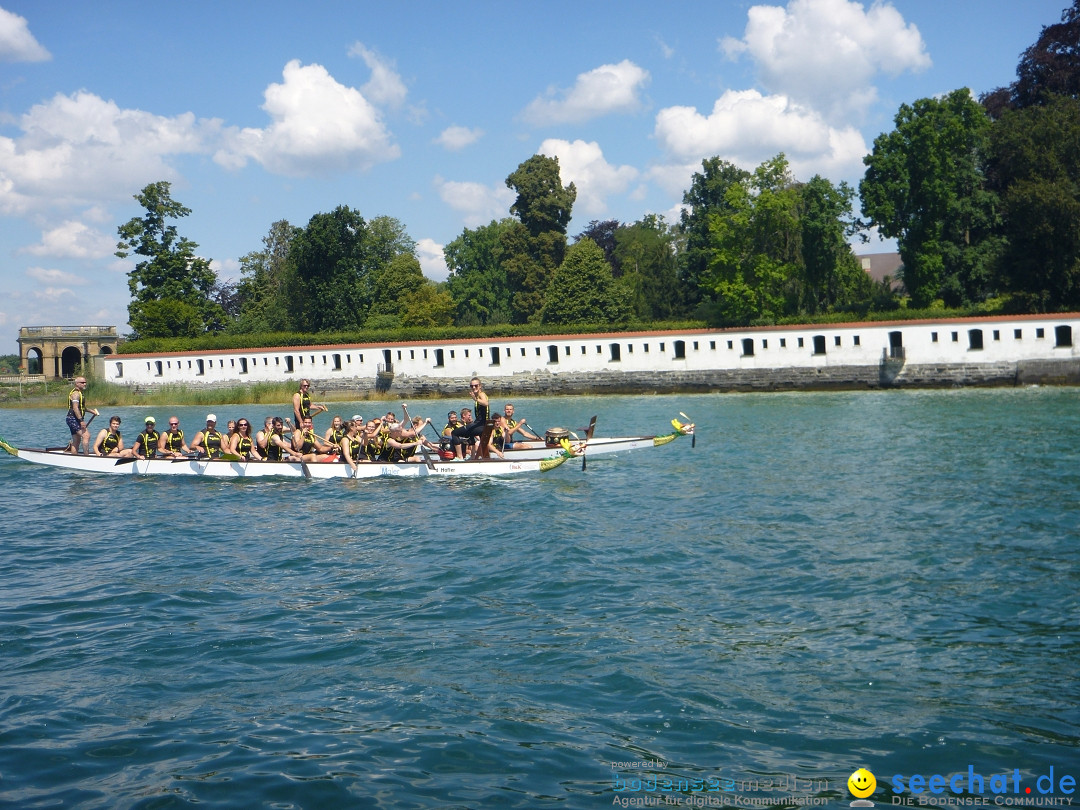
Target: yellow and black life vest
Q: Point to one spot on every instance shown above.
(174, 442)
(82, 403)
(149, 441)
(243, 446)
(273, 450)
(110, 443)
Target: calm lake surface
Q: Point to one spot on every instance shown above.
(826, 582)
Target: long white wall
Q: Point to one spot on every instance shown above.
(958, 341)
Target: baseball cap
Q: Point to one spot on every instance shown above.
(211, 418)
(150, 419)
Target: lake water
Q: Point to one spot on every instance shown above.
(827, 581)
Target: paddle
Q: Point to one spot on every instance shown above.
(693, 436)
(423, 447)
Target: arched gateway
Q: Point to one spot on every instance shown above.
(62, 351)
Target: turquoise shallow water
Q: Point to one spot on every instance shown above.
(827, 581)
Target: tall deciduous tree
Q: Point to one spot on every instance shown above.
(532, 252)
(262, 293)
(706, 196)
(170, 273)
(477, 281)
(924, 186)
(645, 252)
(1035, 163)
(756, 260)
(584, 291)
(328, 284)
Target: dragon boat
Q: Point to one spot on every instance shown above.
(235, 467)
(597, 445)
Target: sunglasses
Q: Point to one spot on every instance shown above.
(174, 424)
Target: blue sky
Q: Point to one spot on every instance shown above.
(279, 110)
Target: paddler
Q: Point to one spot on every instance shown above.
(309, 444)
(516, 426)
(302, 405)
(172, 444)
(76, 416)
(210, 442)
(109, 442)
(146, 443)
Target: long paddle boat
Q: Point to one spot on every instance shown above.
(597, 445)
(235, 467)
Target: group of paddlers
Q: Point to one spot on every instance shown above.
(474, 433)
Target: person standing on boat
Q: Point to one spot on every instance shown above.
(209, 442)
(76, 416)
(481, 414)
(146, 443)
(515, 426)
(302, 405)
(242, 444)
(172, 444)
(109, 442)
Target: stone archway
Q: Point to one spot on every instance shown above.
(35, 363)
(70, 361)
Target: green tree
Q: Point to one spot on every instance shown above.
(263, 275)
(167, 317)
(646, 254)
(170, 270)
(1034, 161)
(533, 251)
(706, 196)
(427, 305)
(756, 261)
(925, 188)
(477, 281)
(604, 234)
(834, 278)
(394, 281)
(584, 291)
(327, 274)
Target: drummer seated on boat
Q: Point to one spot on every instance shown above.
(146, 443)
(172, 444)
(516, 426)
(310, 445)
(210, 442)
(109, 442)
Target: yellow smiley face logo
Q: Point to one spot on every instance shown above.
(861, 783)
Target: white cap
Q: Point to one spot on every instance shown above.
(211, 418)
(150, 419)
(357, 418)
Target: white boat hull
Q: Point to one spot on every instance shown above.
(219, 468)
(597, 446)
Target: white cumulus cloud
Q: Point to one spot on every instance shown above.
(73, 240)
(385, 86)
(456, 138)
(318, 125)
(17, 44)
(432, 259)
(583, 164)
(478, 204)
(747, 128)
(81, 149)
(48, 276)
(603, 90)
(826, 53)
